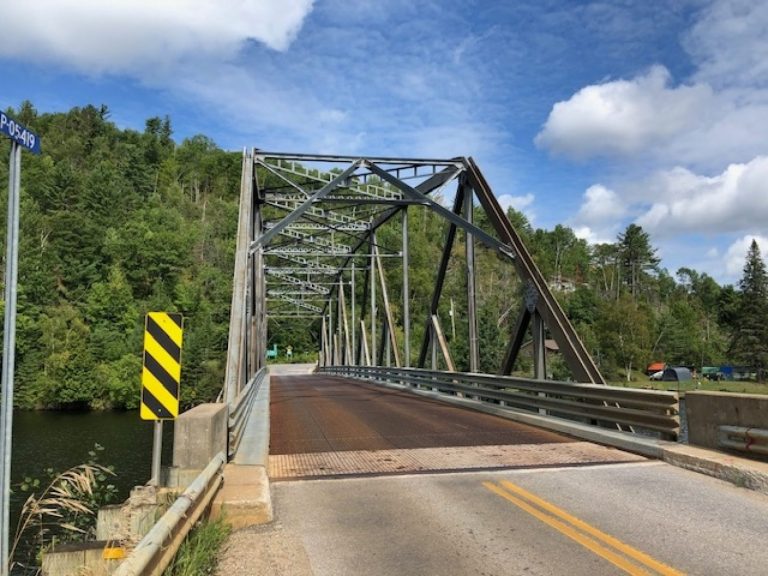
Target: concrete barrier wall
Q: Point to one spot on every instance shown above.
(199, 435)
(245, 498)
(706, 411)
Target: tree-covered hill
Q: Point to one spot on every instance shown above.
(115, 223)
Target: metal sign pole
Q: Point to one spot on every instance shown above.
(9, 346)
(157, 451)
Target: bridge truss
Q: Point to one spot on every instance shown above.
(308, 250)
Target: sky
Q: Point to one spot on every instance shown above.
(590, 114)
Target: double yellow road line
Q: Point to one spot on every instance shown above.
(629, 559)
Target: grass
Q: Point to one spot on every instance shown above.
(297, 358)
(745, 387)
(198, 554)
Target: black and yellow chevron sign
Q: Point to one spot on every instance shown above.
(162, 366)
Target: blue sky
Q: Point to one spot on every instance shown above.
(592, 114)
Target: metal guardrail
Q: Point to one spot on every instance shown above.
(645, 409)
(754, 440)
(156, 550)
(239, 414)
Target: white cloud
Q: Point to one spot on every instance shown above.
(732, 201)
(730, 43)
(599, 216)
(736, 255)
(624, 116)
(698, 137)
(593, 236)
(601, 206)
(519, 203)
(142, 37)
(707, 121)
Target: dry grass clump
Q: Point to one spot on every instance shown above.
(64, 510)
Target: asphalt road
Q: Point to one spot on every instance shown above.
(636, 518)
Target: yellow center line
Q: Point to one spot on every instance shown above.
(561, 525)
(660, 567)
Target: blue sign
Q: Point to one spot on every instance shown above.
(19, 133)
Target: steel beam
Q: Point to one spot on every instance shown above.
(387, 309)
(237, 322)
(363, 308)
(406, 296)
(516, 341)
(450, 236)
(575, 354)
(364, 342)
(373, 293)
(485, 238)
(323, 344)
(353, 296)
(438, 332)
(340, 159)
(474, 357)
(265, 238)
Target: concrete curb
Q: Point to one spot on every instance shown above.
(742, 472)
(245, 498)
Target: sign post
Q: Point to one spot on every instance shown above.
(160, 377)
(21, 138)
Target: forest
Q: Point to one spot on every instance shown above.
(117, 222)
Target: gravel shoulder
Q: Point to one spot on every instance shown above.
(268, 550)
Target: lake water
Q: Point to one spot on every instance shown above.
(61, 440)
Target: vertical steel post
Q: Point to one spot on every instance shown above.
(339, 327)
(388, 317)
(539, 352)
(388, 351)
(433, 340)
(259, 342)
(9, 343)
(250, 298)
(361, 354)
(406, 295)
(157, 453)
(373, 296)
(331, 331)
(352, 288)
(474, 357)
(323, 344)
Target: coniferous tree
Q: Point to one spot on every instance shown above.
(637, 257)
(749, 344)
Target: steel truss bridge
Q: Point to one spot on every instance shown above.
(311, 250)
(307, 248)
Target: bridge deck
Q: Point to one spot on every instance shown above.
(326, 426)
